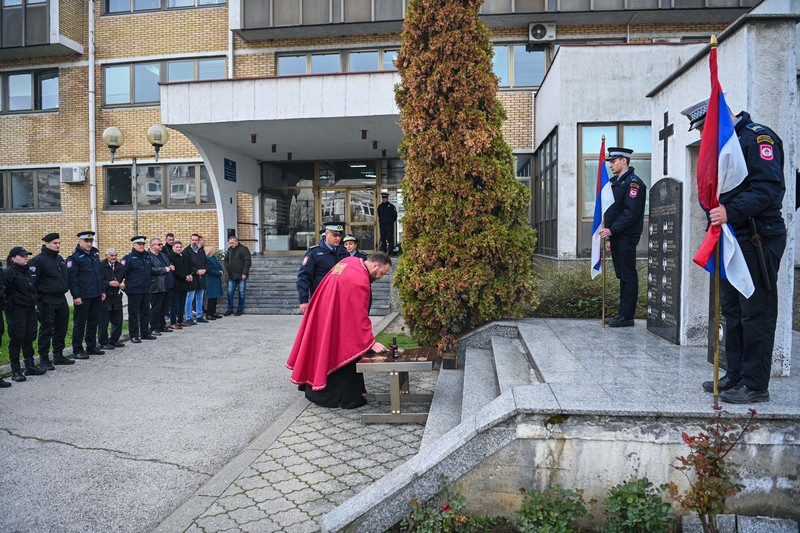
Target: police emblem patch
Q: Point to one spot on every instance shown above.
(122, 261)
(766, 152)
(69, 263)
(305, 260)
(32, 269)
(634, 192)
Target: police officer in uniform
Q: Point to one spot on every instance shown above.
(86, 286)
(753, 210)
(138, 269)
(351, 245)
(20, 307)
(318, 261)
(387, 216)
(623, 223)
(52, 283)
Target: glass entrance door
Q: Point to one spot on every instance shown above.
(355, 207)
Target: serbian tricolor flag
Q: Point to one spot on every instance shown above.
(603, 200)
(721, 167)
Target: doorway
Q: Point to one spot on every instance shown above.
(355, 207)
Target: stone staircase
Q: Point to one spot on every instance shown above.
(272, 290)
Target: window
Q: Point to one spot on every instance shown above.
(519, 65)
(137, 83)
(30, 189)
(635, 136)
(159, 186)
(544, 184)
(24, 23)
(29, 91)
(354, 61)
(128, 6)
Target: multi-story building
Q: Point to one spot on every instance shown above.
(281, 112)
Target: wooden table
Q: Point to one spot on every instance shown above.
(409, 360)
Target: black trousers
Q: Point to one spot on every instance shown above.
(115, 319)
(139, 314)
(344, 389)
(53, 323)
(750, 322)
(211, 307)
(159, 307)
(21, 333)
(623, 255)
(387, 238)
(84, 323)
(177, 306)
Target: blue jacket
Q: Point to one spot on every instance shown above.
(625, 217)
(138, 269)
(85, 275)
(214, 281)
(317, 262)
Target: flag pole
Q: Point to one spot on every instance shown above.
(603, 257)
(716, 325)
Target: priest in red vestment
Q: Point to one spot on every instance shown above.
(336, 331)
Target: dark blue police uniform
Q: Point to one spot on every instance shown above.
(750, 333)
(316, 263)
(52, 283)
(86, 283)
(138, 269)
(625, 219)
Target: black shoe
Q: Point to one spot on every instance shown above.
(136, 340)
(34, 371)
(148, 337)
(166, 329)
(622, 323)
(228, 312)
(119, 345)
(725, 383)
(95, 351)
(17, 376)
(107, 346)
(210, 317)
(59, 359)
(201, 320)
(155, 333)
(741, 394)
(237, 313)
(611, 319)
(45, 364)
(4, 384)
(80, 354)
(217, 316)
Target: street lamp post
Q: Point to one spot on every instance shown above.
(158, 136)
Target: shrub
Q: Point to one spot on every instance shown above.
(467, 244)
(442, 513)
(555, 510)
(637, 506)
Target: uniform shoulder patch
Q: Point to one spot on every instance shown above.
(69, 263)
(32, 268)
(633, 192)
(123, 261)
(635, 184)
(305, 260)
(764, 139)
(766, 152)
(755, 127)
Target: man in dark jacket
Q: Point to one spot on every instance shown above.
(161, 286)
(183, 279)
(387, 216)
(20, 310)
(197, 287)
(237, 265)
(318, 261)
(111, 309)
(623, 222)
(138, 269)
(3, 383)
(52, 283)
(86, 286)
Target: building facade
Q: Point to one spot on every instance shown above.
(281, 113)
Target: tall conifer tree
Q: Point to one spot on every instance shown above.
(467, 244)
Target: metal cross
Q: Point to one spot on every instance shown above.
(664, 135)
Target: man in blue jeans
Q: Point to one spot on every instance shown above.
(237, 265)
(197, 287)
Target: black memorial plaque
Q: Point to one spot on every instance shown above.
(664, 259)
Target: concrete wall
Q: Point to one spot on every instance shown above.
(764, 83)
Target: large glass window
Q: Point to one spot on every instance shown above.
(316, 12)
(30, 189)
(519, 65)
(127, 6)
(325, 63)
(24, 23)
(363, 61)
(544, 185)
(289, 206)
(352, 61)
(137, 83)
(28, 91)
(160, 186)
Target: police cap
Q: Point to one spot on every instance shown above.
(696, 113)
(139, 239)
(616, 152)
(86, 235)
(335, 228)
(349, 237)
(18, 250)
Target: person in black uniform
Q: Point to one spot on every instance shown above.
(753, 210)
(20, 309)
(111, 308)
(387, 216)
(3, 383)
(86, 287)
(623, 223)
(138, 269)
(52, 283)
(318, 261)
(351, 245)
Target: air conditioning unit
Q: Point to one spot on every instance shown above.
(541, 31)
(73, 174)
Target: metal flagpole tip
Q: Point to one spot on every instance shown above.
(713, 41)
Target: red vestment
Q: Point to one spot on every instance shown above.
(336, 329)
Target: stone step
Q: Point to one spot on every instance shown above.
(554, 361)
(445, 412)
(511, 364)
(480, 381)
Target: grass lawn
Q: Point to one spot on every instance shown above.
(68, 342)
(403, 341)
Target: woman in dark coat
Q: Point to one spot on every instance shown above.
(183, 280)
(20, 309)
(213, 284)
